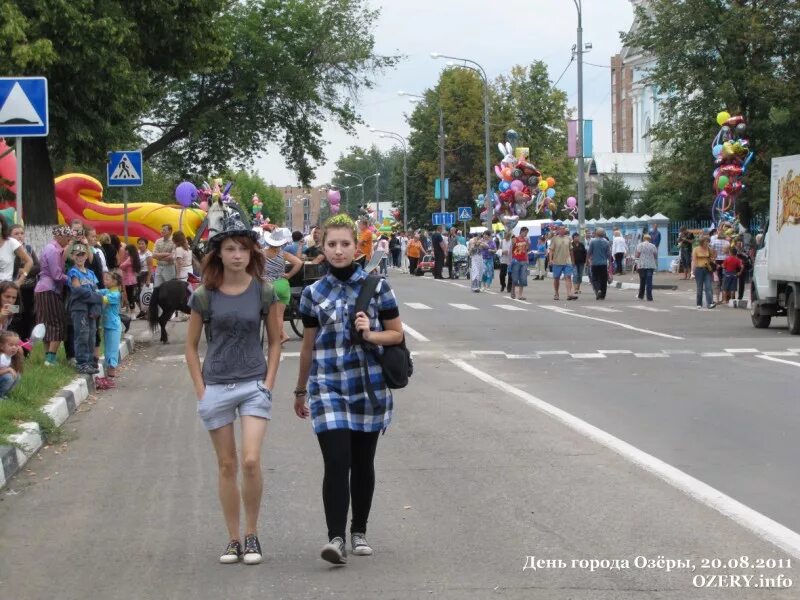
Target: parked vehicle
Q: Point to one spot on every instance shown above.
(775, 291)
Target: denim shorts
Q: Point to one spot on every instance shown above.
(559, 270)
(221, 401)
(731, 282)
(519, 273)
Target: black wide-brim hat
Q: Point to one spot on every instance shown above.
(232, 226)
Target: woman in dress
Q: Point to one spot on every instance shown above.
(275, 271)
(346, 421)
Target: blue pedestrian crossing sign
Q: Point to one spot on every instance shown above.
(23, 107)
(465, 213)
(124, 168)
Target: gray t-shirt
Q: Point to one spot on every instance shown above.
(234, 352)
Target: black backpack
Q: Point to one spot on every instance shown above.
(396, 360)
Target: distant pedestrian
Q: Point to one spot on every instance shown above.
(414, 252)
(619, 248)
(519, 263)
(111, 322)
(383, 246)
(475, 249)
(48, 302)
(562, 261)
(234, 305)
(732, 268)
(655, 237)
(439, 251)
(182, 256)
(84, 307)
(599, 255)
(747, 264)
(12, 362)
(685, 246)
(24, 321)
(347, 415)
(10, 250)
(703, 267)
(488, 255)
(721, 248)
(579, 256)
(647, 257)
(506, 247)
(540, 259)
(164, 254)
(394, 249)
(130, 268)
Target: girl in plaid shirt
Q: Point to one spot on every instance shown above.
(346, 422)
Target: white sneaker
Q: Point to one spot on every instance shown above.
(358, 541)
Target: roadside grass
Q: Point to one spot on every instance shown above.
(38, 385)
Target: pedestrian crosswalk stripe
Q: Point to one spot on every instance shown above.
(509, 307)
(463, 307)
(603, 309)
(587, 355)
(715, 354)
(417, 306)
(650, 355)
(743, 350)
(649, 308)
(616, 351)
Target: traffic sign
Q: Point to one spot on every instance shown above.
(23, 107)
(447, 219)
(465, 213)
(124, 168)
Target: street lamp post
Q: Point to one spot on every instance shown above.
(402, 140)
(482, 73)
(581, 174)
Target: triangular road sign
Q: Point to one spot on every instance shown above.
(18, 109)
(465, 214)
(125, 170)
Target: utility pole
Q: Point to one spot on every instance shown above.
(581, 174)
(441, 158)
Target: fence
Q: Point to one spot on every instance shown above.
(757, 223)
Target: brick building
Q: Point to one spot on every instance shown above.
(302, 206)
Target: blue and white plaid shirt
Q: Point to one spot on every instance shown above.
(336, 392)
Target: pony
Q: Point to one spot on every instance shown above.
(170, 296)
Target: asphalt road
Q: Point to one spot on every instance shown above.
(472, 478)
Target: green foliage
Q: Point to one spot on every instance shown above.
(246, 184)
(292, 66)
(736, 55)
(363, 163)
(615, 198)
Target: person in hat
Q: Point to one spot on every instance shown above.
(275, 260)
(233, 305)
(346, 421)
(84, 307)
(47, 295)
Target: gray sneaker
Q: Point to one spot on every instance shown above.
(335, 552)
(360, 546)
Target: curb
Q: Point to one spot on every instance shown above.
(60, 407)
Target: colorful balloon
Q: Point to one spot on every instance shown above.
(551, 193)
(185, 193)
(722, 117)
(551, 182)
(543, 185)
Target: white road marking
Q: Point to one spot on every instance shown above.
(742, 350)
(417, 306)
(779, 353)
(556, 308)
(671, 352)
(778, 360)
(490, 292)
(763, 526)
(520, 301)
(715, 354)
(650, 355)
(552, 352)
(522, 356)
(603, 309)
(488, 352)
(463, 307)
(414, 333)
(588, 355)
(508, 307)
(649, 308)
(616, 351)
(617, 323)
(684, 307)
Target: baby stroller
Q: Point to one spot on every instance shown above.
(460, 262)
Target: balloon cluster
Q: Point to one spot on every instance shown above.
(572, 206)
(256, 206)
(732, 156)
(187, 194)
(521, 185)
(334, 201)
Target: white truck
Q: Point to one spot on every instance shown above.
(775, 291)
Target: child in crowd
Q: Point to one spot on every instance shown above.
(11, 362)
(732, 268)
(84, 308)
(112, 325)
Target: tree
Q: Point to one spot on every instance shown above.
(246, 184)
(106, 62)
(738, 55)
(364, 163)
(527, 102)
(615, 197)
(292, 66)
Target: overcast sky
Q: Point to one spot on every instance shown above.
(498, 35)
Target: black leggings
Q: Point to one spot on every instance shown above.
(349, 473)
(130, 292)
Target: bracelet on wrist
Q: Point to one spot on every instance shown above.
(298, 393)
